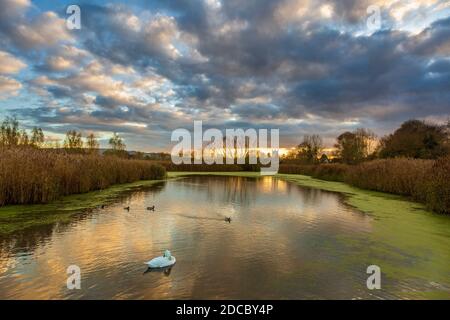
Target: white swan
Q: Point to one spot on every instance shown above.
(164, 261)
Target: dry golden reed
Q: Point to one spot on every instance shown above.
(29, 175)
(426, 181)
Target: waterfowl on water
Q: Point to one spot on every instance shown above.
(166, 260)
(152, 208)
(103, 206)
(228, 219)
(127, 208)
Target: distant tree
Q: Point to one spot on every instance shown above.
(324, 158)
(416, 139)
(24, 140)
(291, 154)
(345, 147)
(116, 143)
(37, 138)
(73, 140)
(10, 134)
(117, 146)
(354, 147)
(138, 155)
(310, 148)
(92, 143)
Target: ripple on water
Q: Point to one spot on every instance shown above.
(284, 242)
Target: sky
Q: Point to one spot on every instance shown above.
(145, 68)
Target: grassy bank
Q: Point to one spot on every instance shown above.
(31, 176)
(397, 224)
(364, 200)
(425, 181)
(19, 217)
(371, 175)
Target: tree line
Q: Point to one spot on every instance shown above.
(11, 135)
(414, 139)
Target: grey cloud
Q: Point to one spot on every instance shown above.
(255, 61)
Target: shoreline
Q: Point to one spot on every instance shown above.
(361, 199)
(399, 229)
(19, 217)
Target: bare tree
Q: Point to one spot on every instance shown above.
(91, 142)
(9, 132)
(37, 137)
(73, 140)
(310, 148)
(117, 146)
(116, 143)
(354, 147)
(24, 140)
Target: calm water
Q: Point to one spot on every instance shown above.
(284, 242)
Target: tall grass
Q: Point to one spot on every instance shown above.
(426, 181)
(402, 176)
(437, 194)
(29, 175)
(332, 172)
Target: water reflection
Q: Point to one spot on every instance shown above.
(166, 271)
(283, 241)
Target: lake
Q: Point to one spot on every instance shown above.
(284, 241)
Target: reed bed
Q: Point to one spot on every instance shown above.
(437, 190)
(426, 181)
(402, 176)
(331, 172)
(30, 176)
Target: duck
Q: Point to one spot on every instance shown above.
(152, 208)
(103, 206)
(228, 219)
(164, 261)
(127, 208)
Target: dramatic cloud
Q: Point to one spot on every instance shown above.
(9, 64)
(8, 87)
(299, 65)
